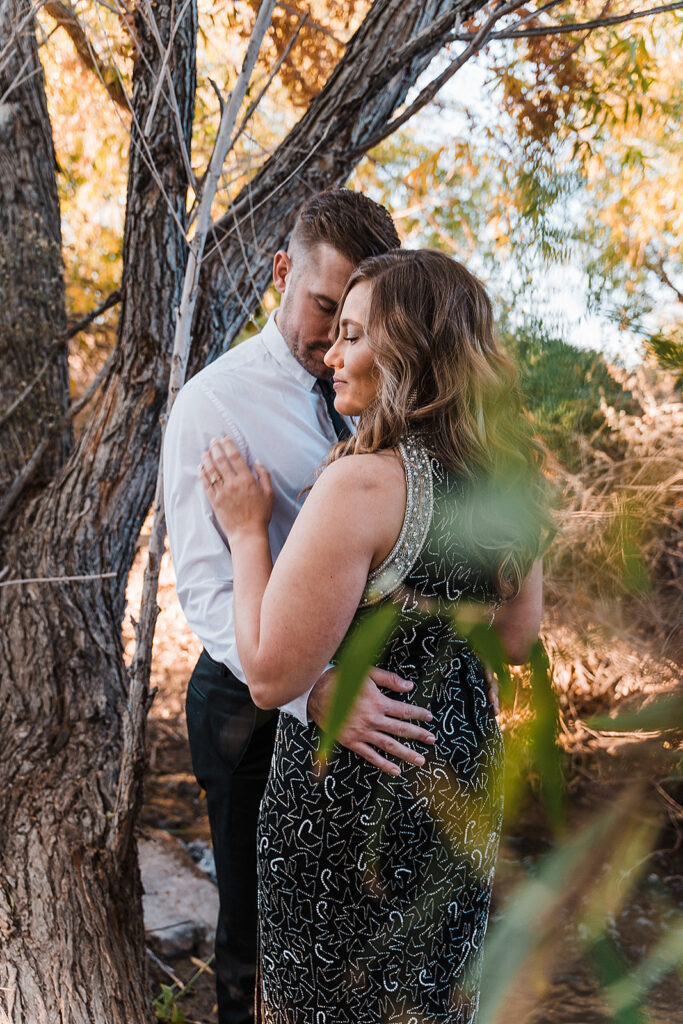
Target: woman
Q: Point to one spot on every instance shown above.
(374, 890)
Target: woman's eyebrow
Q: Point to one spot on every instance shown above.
(346, 320)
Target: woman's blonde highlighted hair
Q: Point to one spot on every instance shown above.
(441, 373)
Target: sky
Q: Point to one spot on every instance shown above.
(560, 293)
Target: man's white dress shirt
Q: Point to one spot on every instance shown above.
(262, 398)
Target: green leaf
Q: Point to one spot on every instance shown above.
(486, 644)
(659, 716)
(634, 984)
(531, 928)
(360, 652)
(611, 968)
(547, 756)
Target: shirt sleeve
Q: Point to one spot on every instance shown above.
(199, 549)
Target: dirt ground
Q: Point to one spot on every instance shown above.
(560, 989)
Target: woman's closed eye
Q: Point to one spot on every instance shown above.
(351, 337)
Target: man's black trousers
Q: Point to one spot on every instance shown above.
(231, 743)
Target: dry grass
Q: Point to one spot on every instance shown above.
(614, 587)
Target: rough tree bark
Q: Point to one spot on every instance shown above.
(32, 312)
(70, 911)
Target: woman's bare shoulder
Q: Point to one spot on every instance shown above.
(371, 471)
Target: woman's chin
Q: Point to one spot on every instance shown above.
(347, 408)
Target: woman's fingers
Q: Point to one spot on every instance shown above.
(204, 477)
(263, 477)
(226, 457)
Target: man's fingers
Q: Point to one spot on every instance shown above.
(405, 730)
(390, 681)
(406, 712)
(396, 749)
(373, 757)
(493, 697)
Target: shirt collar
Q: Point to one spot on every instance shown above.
(279, 350)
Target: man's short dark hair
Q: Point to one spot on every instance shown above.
(350, 222)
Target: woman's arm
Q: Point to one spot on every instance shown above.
(518, 621)
(291, 618)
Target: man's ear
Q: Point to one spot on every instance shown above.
(282, 268)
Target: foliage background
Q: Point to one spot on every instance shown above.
(563, 173)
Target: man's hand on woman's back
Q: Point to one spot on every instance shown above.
(377, 723)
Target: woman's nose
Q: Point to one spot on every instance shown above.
(331, 357)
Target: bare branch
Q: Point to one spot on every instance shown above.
(534, 15)
(220, 151)
(580, 26)
(138, 696)
(165, 76)
(219, 94)
(657, 268)
(430, 91)
(65, 16)
(142, 145)
(74, 329)
(285, 54)
(80, 325)
(60, 579)
(24, 478)
(250, 110)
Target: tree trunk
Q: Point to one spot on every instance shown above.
(70, 911)
(32, 312)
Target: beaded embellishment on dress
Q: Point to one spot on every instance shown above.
(389, 574)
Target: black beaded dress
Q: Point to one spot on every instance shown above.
(373, 889)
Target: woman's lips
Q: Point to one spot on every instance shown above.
(338, 383)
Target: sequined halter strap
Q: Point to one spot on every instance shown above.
(390, 573)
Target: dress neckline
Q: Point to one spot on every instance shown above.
(387, 577)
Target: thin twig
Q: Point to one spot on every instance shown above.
(79, 325)
(309, 154)
(164, 967)
(66, 17)
(60, 579)
(56, 345)
(312, 22)
(580, 26)
(138, 694)
(478, 40)
(141, 146)
(285, 54)
(28, 16)
(220, 151)
(170, 94)
(658, 269)
(22, 481)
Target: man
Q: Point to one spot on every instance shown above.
(272, 396)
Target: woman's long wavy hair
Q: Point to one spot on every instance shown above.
(440, 373)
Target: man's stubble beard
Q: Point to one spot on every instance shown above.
(302, 353)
